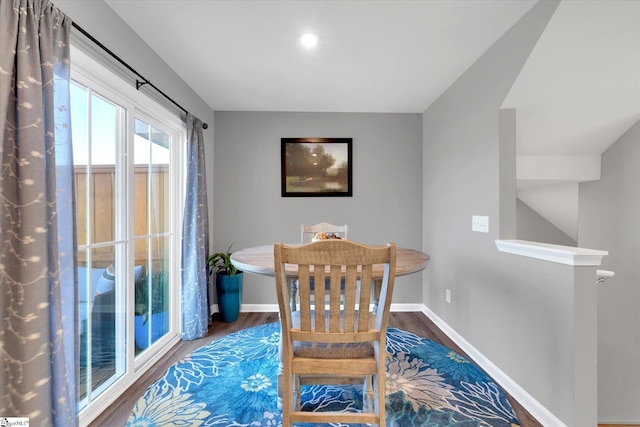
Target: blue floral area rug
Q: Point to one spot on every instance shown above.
(233, 382)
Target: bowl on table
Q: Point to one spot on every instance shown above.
(325, 236)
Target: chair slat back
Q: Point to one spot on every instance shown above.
(347, 269)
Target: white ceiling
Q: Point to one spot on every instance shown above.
(373, 56)
(579, 91)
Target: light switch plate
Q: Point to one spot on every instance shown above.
(480, 223)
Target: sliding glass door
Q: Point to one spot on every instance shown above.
(128, 185)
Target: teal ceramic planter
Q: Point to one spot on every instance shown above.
(229, 292)
(159, 326)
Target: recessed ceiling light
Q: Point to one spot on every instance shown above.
(309, 40)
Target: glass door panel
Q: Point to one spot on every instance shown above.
(101, 291)
(152, 173)
(102, 150)
(152, 215)
(152, 312)
(143, 297)
(101, 321)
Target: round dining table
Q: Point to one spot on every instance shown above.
(259, 260)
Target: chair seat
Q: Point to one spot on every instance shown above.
(321, 350)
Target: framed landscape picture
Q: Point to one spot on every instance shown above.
(316, 167)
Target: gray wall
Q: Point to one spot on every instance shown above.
(387, 187)
(516, 311)
(609, 218)
(532, 226)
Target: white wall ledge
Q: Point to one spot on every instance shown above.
(568, 255)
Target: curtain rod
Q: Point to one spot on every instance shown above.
(139, 83)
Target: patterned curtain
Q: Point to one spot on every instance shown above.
(37, 234)
(195, 238)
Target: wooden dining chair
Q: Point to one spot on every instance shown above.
(341, 343)
(307, 233)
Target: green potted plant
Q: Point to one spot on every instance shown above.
(228, 284)
(151, 308)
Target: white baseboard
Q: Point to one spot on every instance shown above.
(252, 308)
(617, 422)
(406, 307)
(259, 308)
(273, 308)
(535, 408)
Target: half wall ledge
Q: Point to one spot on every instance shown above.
(568, 255)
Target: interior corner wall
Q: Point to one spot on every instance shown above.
(387, 187)
(516, 311)
(507, 147)
(609, 218)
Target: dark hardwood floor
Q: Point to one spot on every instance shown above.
(414, 322)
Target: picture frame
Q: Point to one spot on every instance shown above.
(316, 167)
